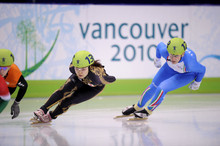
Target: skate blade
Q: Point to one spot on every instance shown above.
(122, 116)
(36, 122)
(40, 123)
(137, 119)
(33, 119)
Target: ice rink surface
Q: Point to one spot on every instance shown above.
(181, 120)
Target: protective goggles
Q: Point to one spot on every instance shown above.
(4, 67)
(171, 55)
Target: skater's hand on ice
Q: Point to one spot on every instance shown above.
(157, 62)
(15, 110)
(194, 85)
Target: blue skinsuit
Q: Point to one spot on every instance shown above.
(171, 77)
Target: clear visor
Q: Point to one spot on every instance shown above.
(4, 67)
(81, 69)
(174, 56)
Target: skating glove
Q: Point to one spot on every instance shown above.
(157, 62)
(15, 110)
(194, 85)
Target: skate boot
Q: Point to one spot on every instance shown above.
(141, 114)
(45, 118)
(128, 110)
(39, 113)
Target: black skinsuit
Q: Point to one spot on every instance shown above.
(75, 91)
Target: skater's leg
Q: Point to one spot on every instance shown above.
(83, 94)
(4, 100)
(173, 83)
(3, 104)
(164, 73)
(156, 100)
(69, 87)
(147, 94)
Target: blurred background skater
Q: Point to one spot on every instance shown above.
(13, 78)
(181, 68)
(88, 79)
(4, 94)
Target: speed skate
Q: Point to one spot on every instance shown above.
(130, 119)
(36, 120)
(123, 116)
(137, 119)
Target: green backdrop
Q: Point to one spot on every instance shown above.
(44, 88)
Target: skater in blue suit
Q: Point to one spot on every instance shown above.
(180, 69)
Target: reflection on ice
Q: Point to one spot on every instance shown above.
(144, 133)
(194, 123)
(46, 135)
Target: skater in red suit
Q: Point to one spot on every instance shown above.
(4, 94)
(13, 78)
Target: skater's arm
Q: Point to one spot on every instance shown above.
(106, 79)
(192, 65)
(23, 85)
(101, 77)
(161, 50)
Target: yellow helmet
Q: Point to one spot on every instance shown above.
(176, 46)
(82, 59)
(6, 57)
